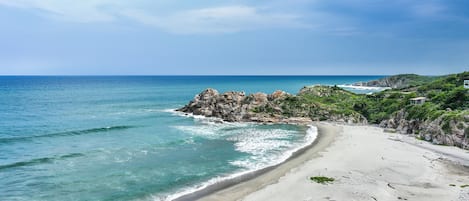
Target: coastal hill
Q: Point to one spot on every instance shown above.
(399, 81)
(440, 115)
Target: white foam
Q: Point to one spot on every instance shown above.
(268, 152)
(210, 128)
(349, 86)
(200, 187)
(261, 144)
(266, 147)
(169, 110)
(198, 130)
(255, 147)
(197, 117)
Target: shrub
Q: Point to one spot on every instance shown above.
(322, 180)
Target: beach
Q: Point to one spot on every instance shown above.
(73, 149)
(367, 164)
(64, 135)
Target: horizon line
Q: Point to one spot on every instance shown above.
(204, 75)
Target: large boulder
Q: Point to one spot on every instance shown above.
(229, 106)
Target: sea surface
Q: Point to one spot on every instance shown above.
(118, 138)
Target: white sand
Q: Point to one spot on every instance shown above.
(367, 164)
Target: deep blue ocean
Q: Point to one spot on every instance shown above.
(116, 137)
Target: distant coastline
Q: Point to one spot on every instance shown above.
(441, 119)
(331, 103)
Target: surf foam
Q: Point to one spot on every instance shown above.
(266, 147)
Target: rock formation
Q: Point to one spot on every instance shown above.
(278, 107)
(438, 131)
(397, 81)
(326, 103)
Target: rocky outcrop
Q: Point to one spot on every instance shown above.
(238, 107)
(278, 107)
(228, 106)
(323, 103)
(396, 81)
(453, 132)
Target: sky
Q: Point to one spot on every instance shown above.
(233, 37)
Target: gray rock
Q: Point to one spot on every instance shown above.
(260, 107)
(430, 130)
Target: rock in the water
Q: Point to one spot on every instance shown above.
(231, 106)
(260, 107)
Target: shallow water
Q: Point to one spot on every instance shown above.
(114, 138)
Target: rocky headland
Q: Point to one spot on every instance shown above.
(398, 81)
(265, 108)
(442, 119)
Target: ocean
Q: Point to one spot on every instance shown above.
(118, 137)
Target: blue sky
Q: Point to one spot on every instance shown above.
(171, 37)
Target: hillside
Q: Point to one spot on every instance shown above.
(442, 119)
(399, 81)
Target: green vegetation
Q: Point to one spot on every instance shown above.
(442, 93)
(465, 185)
(322, 180)
(447, 99)
(452, 185)
(410, 80)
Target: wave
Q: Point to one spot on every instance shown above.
(67, 133)
(266, 147)
(311, 135)
(40, 161)
(363, 87)
(198, 117)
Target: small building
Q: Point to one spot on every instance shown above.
(418, 100)
(466, 84)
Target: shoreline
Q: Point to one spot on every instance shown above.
(431, 171)
(245, 176)
(238, 187)
(369, 164)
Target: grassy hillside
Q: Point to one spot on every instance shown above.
(443, 118)
(445, 96)
(400, 81)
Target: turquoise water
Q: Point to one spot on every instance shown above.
(116, 138)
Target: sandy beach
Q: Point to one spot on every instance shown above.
(367, 164)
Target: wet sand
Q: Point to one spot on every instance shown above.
(366, 163)
(251, 183)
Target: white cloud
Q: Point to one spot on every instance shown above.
(208, 18)
(221, 19)
(70, 10)
(225, 19)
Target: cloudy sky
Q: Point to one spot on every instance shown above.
(172, 37)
